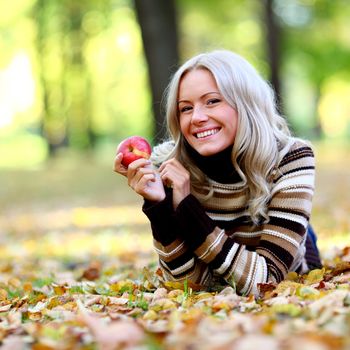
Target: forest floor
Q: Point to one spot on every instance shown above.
(77, 271)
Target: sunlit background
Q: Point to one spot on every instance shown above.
(73, 73)
(74, 81)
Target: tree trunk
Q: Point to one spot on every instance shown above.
(76, 79)
(157, 19)
(52, 124)
(273, 50)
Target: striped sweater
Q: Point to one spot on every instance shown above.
(207, 240)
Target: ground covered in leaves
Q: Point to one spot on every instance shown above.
(79, 272)
(113, 304)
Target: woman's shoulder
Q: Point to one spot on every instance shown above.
(300, 144)
(299, 153)
(298, 148)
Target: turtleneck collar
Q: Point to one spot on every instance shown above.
(217, 167)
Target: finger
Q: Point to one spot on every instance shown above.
(137, 175)
(118, 167)
(142, 184)
(169, 178)
(167, 163)
(173, 164)
(174, 177)
(144, 172)
(172, 172)
(139, 163)
(136, 165)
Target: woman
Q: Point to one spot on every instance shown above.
(229, 197)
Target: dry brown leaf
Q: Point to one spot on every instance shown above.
(113, 335)
(93, 272)
(160, 293)
(266, 289)
(339, 268)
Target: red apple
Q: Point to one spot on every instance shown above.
(134, 147)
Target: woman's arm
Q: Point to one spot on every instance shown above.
(281, 239)
(176, 260)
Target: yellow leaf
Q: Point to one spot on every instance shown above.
(59, 290)
(192, 315)
(204, 295)
(292, 276)
(70, 306)
(3, 294)
(287, 286)
(162, 304)
(287, 309)
(53, 302)
(123, 286)
(34, 316)
(27, 287)
(41, 346)
(150, 315)
(307, 292)
(175, 293)
(14, 282)
(174, 285)
(315, 276)
(269, 326)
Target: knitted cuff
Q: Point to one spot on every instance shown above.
(195, 222)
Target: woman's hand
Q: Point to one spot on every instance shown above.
(173, 174)
(142, 178)
(118, 166)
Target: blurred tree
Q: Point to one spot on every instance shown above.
(76, 75)
(85, 70)
(53, 119)
(315, 48)
(158, 24)
(273, 50)
(64, 76)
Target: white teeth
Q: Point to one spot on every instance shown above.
(206, 133)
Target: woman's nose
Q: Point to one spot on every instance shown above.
(198, 116)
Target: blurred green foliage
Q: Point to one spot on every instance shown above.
(72, 73)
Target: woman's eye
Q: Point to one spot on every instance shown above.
(213, 101)
(185, 109)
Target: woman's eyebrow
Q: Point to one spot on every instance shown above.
(204, 95)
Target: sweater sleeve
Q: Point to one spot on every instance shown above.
(281, 242)
(160, 215)
(176, 260)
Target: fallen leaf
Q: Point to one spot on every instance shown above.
(112, 335)
(315, 276)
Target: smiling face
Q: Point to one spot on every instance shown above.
(207, 121)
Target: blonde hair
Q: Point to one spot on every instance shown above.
(262, 137)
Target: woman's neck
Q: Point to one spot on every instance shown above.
(217, 167)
